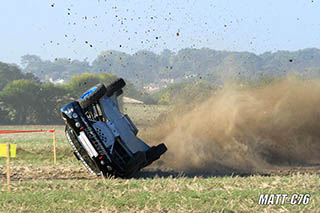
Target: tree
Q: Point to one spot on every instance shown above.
(80, 83)
(20, 97)
(4, 115)
(107, 79)
(30, 102)
(50, 99)
(60, 68)
(9, 73)
(115, 62)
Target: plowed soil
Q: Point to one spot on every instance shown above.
(30, 173)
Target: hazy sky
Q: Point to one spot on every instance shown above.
(67, 28)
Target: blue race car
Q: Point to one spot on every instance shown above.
(103, 138)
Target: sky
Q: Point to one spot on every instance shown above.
(82, 29)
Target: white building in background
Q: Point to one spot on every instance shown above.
(155, 86)
(58, 81)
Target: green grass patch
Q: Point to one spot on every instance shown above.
(158, 194)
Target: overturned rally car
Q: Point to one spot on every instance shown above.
(102, 137)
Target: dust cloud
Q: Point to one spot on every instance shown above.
(245, 129)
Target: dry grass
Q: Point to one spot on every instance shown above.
(40, 186)
(180, 194)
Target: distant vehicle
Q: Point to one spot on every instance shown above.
(102, 137)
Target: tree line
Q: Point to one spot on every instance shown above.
(28, 97)
(144, 67)
(24, 99)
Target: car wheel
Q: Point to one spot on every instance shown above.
(155, 152)
(117, 85)
(92, 96)
(80, 152)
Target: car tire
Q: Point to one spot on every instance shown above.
(93, 97)
(81, 153)
(155, 152)
(117, 85)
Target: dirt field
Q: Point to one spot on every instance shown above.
(38, 185)
(78, 172)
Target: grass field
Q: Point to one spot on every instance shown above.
(38, 185)
(161, 194)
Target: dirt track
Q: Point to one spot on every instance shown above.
(314, 169)
(46, 173)
(80, 173)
